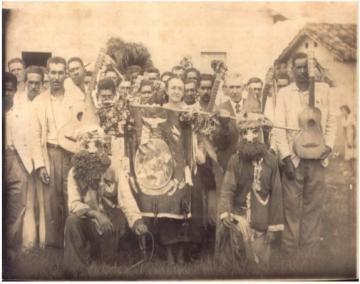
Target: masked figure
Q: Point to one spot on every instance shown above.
(100, 203)
(250, 205)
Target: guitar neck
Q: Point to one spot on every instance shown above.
(311, 72)
(213, 95)
(90, 115)
(312, 91)
(92, 83)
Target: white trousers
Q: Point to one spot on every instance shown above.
(34, 192)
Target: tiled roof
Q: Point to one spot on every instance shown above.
(339, 39)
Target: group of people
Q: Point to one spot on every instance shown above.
(246, 187)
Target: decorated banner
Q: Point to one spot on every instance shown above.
(160, 148)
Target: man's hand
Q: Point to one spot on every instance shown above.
(326, 153)
(104, 222)
(272, 151)
(289, 168)
(228, 220)
(140, 228)
(43, 175)
(270, 237)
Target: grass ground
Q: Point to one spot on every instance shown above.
(336, 260)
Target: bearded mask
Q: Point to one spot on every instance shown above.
(89, 168)
(252, 151)
(252, 146)
(91, 162)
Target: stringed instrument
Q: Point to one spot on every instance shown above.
(86, 114)
(220, 69)
(310, 142)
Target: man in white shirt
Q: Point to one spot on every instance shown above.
(77, 71)
(303, 180)
(15, 176)
(23, 116)
(54, 109)
(19, 156)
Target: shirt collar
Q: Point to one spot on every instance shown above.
(233, 104)
(55, 98)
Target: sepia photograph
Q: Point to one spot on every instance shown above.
(179, 141)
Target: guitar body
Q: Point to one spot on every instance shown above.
(310, 143)
(67, 134)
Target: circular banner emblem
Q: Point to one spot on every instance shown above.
(154, 167)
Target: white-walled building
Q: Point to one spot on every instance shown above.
(250, 35)
(335, 48)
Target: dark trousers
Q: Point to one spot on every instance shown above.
(14, 193)
(55, 197)
(303, 205)
(83, 244)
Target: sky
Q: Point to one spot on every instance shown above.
(170, 30)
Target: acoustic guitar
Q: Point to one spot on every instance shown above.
(83, 115)
(310, 142)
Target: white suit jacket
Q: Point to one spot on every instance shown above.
(19, 119)
(73, 100)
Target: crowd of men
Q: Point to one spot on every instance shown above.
(49, 191)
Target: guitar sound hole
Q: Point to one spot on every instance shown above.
(79, 116)
(311, 123)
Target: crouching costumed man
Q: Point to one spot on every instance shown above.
(250, 204)
(100, 205)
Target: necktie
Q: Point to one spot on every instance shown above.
(237, 107)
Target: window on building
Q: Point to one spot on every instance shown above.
(208, 56)
(35, 58)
